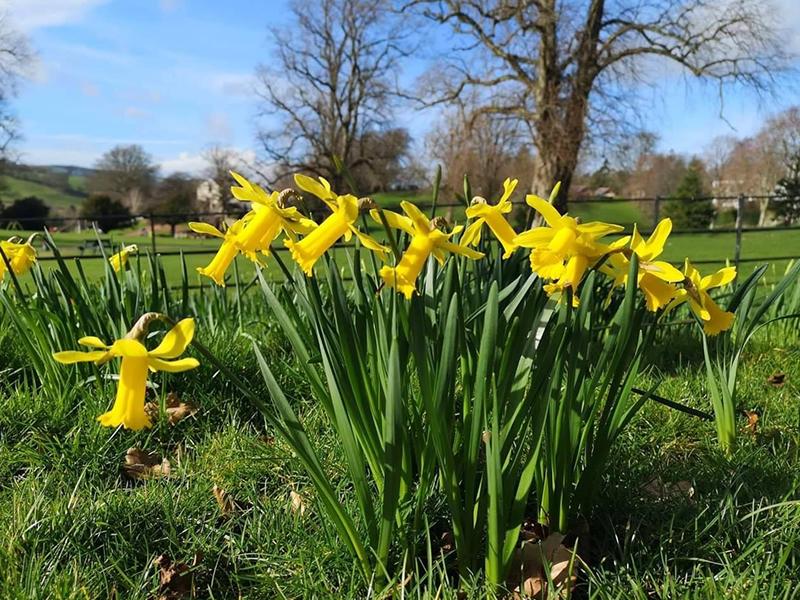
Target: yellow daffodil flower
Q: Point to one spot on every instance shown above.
(656, 278)
(563, 249)
(254, 233)
(493, 216)
(128, 409)
(308, 251)
(695, 292)
(21, 256)
(426, 239)
(120, 259)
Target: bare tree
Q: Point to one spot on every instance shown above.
(560, 67)
(486, 147)
(220, 162)
(127, 174)
(15, 58)
(330, 83)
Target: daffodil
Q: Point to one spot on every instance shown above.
(21, 256)
(137, 360)
(120, 259)
(695, 292)
(493, 216)
(563, 249)
(426, 239)
(255, 232)
(656, 278)
(338, 225)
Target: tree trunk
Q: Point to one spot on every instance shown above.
(548, 171)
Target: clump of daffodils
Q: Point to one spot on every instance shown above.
(137, 361)
(561, 250)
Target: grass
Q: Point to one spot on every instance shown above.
(718, 248)
(73, 526)
(14, 188)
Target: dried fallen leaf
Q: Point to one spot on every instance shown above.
(545, 563)
(447, 543)
(298, 503)
(175, 410)
(777, 379)
(175, 578)
(752, 422)
(225, 501)
(140, 464)
(657, 488)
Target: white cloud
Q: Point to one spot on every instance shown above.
(185, 162)
(195, 163)
(35, 14)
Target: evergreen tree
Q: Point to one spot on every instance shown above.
(685, 210)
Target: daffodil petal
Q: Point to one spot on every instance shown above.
(664, 271)
(69, 357)
(172, 366)
(175, 340)
(205, 229)
(538, 236)
(92, 341)
(128, 348)
(722, 277)
(395, 220)
(599, 229)
(421, 222)
(551, 216)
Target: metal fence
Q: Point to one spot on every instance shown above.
(737, 204)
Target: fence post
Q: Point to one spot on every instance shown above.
(739, 210)
(152, 233)
(656, 212)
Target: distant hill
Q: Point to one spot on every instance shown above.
(63, 187)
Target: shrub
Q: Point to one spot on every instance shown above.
(28, 213)
(106, 212)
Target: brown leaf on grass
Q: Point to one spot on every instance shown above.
(752, 422)
(225, 501)
(777, 379)
(140, 464)
(298, 503)
(175, 410)
(660, 490)
(175, 578)
(542, 564)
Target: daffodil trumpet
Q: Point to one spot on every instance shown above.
(128, 409)
(18, 255)
(119, 260)
(426, 239)
(494, 217)
(338, 225)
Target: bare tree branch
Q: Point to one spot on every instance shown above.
(570, 69)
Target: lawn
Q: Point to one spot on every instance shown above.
(673, 517)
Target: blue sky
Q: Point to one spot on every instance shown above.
(177, 75)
